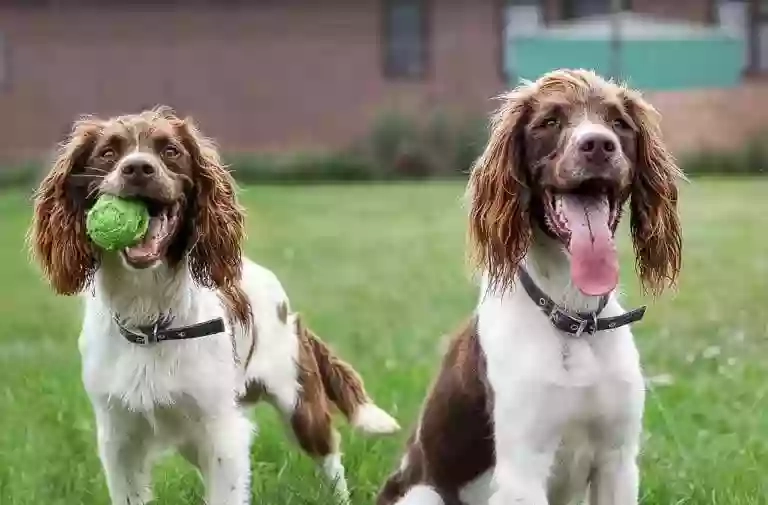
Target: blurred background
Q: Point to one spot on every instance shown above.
(311, 91)
(361, 89)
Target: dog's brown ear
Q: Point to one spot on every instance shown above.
(499, 223)
(215, 258)
(654, 219)
(57, 237)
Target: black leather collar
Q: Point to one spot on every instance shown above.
(576, 323)
(161, 331)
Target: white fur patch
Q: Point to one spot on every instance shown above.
(334, 470)
(548, 387)
(371, 419)
(478, 491)
(183, 394)
(420, 495)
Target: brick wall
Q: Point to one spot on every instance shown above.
(692, 10)
(701, 11)
(267, 75)
(718, 119)
(273, 77)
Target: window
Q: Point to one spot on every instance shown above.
(24, 3)
(574, 9)
(5, 78)
(757, 37)
(405, 38)
(519, 18)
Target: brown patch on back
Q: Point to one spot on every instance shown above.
(311, 419)
(342, 383)
(455, 439)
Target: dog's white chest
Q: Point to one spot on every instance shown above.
(557, 392)
(143, 378)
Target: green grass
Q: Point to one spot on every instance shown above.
(379, 272)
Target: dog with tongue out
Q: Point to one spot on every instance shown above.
(540, 397)
(594, 262)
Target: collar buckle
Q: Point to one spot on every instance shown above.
(573, 324)
(146, 338)
(555, 314)
(142, 337)
(152, 336)
(584, 325)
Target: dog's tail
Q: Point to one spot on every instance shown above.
(345, 388)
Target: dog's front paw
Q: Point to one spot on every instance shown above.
(514, 497)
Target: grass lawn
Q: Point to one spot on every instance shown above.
(379, 272)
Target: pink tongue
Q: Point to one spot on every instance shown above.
(594, 262)
(147, 249)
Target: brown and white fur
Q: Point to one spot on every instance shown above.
(185, 394)
(520, 412)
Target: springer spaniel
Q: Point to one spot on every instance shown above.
(540, 397)
(180, 332)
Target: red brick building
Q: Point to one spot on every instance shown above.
(260, 74)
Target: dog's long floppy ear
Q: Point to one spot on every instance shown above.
(57, 236)
(215, 258)
(499, 221)
(654, 220)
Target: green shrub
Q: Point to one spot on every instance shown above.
(299, 167)
(752, 159)
(25, 175)
(399, 147)
(394, 147)
(439, 145)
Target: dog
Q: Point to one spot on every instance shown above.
(180, 332)
(540, 397)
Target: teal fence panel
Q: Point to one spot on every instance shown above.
(656, 64)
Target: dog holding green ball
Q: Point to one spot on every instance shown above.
(181, 333)
(114, 223)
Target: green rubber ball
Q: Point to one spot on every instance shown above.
(115, 223)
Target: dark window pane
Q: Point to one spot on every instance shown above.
(584, 8)
(24, 3)
(4, 63)
(404, 38)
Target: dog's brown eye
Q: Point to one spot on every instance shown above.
(108, 154)
(170, 152)
(550, 122)
(620, 124)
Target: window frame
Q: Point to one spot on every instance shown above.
(500, 25)
(425, 35)
(756, 19)
(569, 7)
(5, 63)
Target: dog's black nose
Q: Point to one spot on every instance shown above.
(597, 146)
(137, 170)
